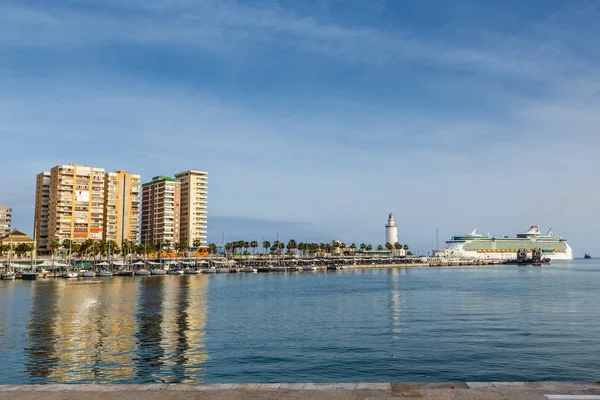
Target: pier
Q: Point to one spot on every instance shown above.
(375, 391)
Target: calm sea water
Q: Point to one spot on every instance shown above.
(503, 323)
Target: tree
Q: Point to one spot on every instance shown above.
(397, 246)
(379, 248)
(22, 248)
(292, 246)
(254, 246)
(53, 246)
(212, 248)
(181, 247)
(266, 245)
(197, 243)
(362, 247)
(353, 247)
(166, 244)
(228, 247)
(389, 246)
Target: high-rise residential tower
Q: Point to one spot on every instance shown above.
(42, 210)
(76, 203)
(5, 220)
(193, 206)
(160, 210)
(121, 207)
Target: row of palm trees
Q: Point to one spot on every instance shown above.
(126, 247)
(277, 247)
(19, 250)
(103, 248)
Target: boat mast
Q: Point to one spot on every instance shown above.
(33, 258)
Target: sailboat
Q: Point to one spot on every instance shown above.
(8, 275)
(31, 275)
(69, 274)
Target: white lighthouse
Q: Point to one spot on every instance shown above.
(391, 230)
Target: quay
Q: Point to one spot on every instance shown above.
(310, 391)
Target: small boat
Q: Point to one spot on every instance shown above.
(210, 270)
(191, 271)
(309, 268)
(587, 255)
(89, 274)
(105, 274)
(29, 276)
(334, 267)
(176, 271)
(222, 270)
(264, 269)
(233, 270)
(70, 274)
(127, 272)
(142, 272)
(157, 271)
(250, 270)
(8, 276)
(278, 269)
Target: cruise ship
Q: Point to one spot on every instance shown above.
(476, 246)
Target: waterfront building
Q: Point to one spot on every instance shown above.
(76, 210)
(42, 210)
(14, 239)
(193, 216)
(121, 207)
(5, 220)
(161, 210)
(391, 230)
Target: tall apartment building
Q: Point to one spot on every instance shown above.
(193, 206)
(121, 207)
(5, 220)
(160, 210)
(76, 203)
(42, 212)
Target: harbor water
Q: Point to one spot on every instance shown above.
(493, 323)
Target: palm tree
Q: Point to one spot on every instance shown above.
(254, 246)
(228, 247)
(197, 243)
(369, 247)
(291, 246)
(379, 248)
(362, 247)
(266, 245)
(181, 247)
(389, 246)
(212, 248)
(406, 252)
(353, 247)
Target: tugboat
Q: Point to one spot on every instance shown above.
(587, 255)
(536, 258)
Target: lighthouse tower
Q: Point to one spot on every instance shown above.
(391, 230)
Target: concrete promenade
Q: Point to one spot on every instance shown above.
(467, 391)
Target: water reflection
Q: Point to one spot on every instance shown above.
(41, 351)
(118, 330)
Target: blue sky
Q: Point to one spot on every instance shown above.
(316, 118)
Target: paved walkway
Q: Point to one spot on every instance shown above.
(350, 391)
